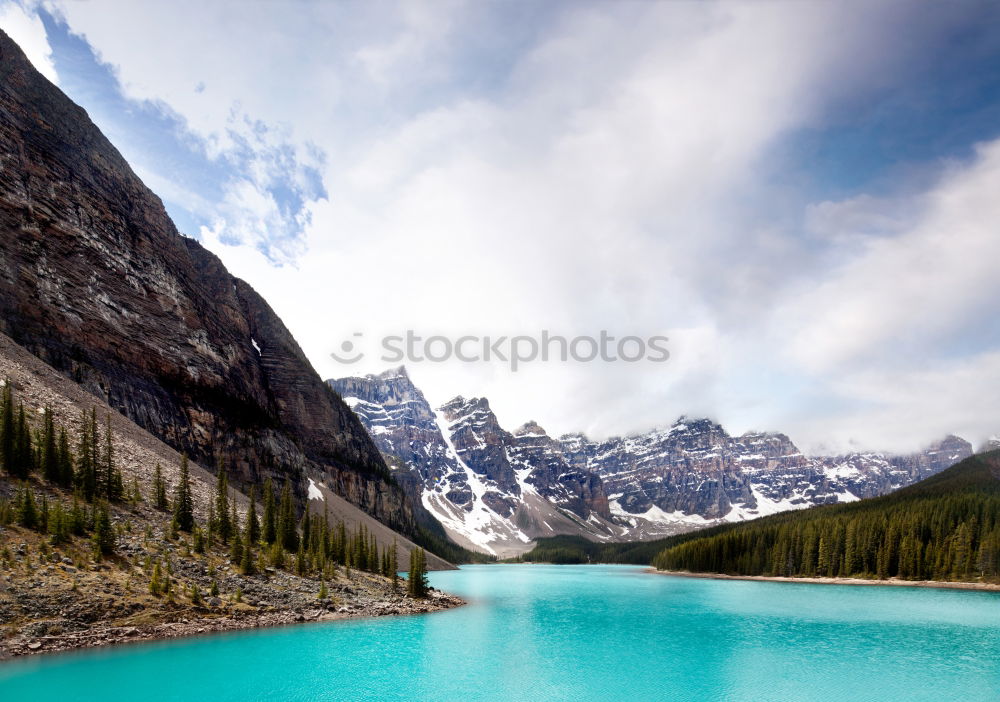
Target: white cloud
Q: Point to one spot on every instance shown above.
(904, 408)
(609, 172)
(909, 292)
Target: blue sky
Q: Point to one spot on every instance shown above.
(798, 194)
(156, 139)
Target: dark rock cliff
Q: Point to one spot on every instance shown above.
(462, 442)
(575, 489)
(96, 281)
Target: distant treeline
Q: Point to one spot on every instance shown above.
(440, 545)
(577, 549)
(944, 528)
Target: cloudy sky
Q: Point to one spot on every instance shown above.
(803, 196)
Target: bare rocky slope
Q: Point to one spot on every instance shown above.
(96, 281)
(59, 597)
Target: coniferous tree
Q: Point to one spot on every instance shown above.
(269, 528)
(253, 524)
(236, 549)
(306, 524)
(286, 521)
(247, 557)
(77, 519)
(111, 477)
(27, 511)
(159, 489)
(410, 576)
(156, 581)
(417, 582)
(7, 438)
(300, 560)
(104, 535)
(65, 459)
(183, 501)
(43, 515)
(59, 524)
(247, 562)
(277, 555)
(50, 450)
(342, 543)
(393, 571)
(86, 456)
(22, 459)
(234, 517)
(359, 549)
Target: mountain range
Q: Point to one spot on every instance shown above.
(942, 528)
(497, 490)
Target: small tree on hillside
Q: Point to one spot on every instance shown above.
(417, 583)
(111, 477)
(393, 565)
(253, 524)
(183, 501)
(86, 457)
(287, 531)
(104, 535)
(7, 428)
(159, 489)
(50, 449)
(269, 528)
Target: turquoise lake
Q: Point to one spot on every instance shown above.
(574, 633)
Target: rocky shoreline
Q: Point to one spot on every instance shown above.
(942, 584)
(190, 623)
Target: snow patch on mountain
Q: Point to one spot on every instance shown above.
(314, 492)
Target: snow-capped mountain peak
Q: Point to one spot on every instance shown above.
(496, 491)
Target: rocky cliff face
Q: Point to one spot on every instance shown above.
(492, 490)
(96, 281)
(572, 488)
(405, 429)
(497, 490)
(481, 444)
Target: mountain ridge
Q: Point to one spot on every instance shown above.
(501, 490)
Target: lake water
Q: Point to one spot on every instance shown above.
(574, 633)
